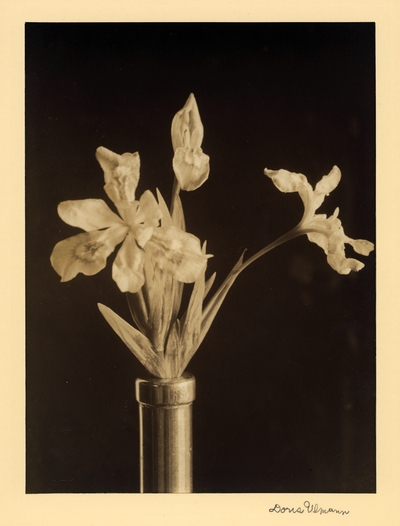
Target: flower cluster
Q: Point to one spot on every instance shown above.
(326, 232)
(157, 256)
(137, 227)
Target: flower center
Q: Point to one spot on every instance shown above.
(124, 184)
(87, 251)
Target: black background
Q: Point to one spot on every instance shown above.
(286, 375)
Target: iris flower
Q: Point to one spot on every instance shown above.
(326, 232)
(137, 227)
(190, 164)
(157, 255)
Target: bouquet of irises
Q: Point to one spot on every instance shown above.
(157, 256)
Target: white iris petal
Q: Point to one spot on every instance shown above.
(326, 232)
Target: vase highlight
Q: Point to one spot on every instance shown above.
(166, 446)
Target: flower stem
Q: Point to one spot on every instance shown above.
(295, 232)
(175, 194)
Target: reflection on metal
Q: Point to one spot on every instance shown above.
(165, 413)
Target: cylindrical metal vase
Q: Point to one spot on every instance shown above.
(165, 414)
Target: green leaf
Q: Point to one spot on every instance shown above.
(173, 352)
(136, 342)
(191, 323)
(163, 311)
(209, 284)
(166, 217)
(138, 309)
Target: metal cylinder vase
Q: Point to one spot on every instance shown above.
(166, 447)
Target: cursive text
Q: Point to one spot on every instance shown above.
(307, 507)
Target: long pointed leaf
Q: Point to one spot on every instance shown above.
(136, 342)
(166, 220)
(192, 322)
(138, 309)
(211, 279)
(173, 352)
(162, 312)
(209, 284)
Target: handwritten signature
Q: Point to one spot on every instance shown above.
(307, 507)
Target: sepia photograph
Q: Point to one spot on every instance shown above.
(200, 257)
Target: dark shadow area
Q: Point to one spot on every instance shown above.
(286, 375)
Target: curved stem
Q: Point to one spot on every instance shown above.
(295, 232)
(212, 307)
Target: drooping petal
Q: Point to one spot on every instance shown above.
(187, 129)
(361, 246)
(333, 244)
(86, 253)
(127, 270)
(344, 265)
(286, 181)
(191, 167)
(336, 255)
(319, 239)
(121, 175)
(323, 228)
(88, 214)
(177, 253)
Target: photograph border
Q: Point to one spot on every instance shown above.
(18, 508)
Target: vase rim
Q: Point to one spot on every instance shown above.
(166, 391)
